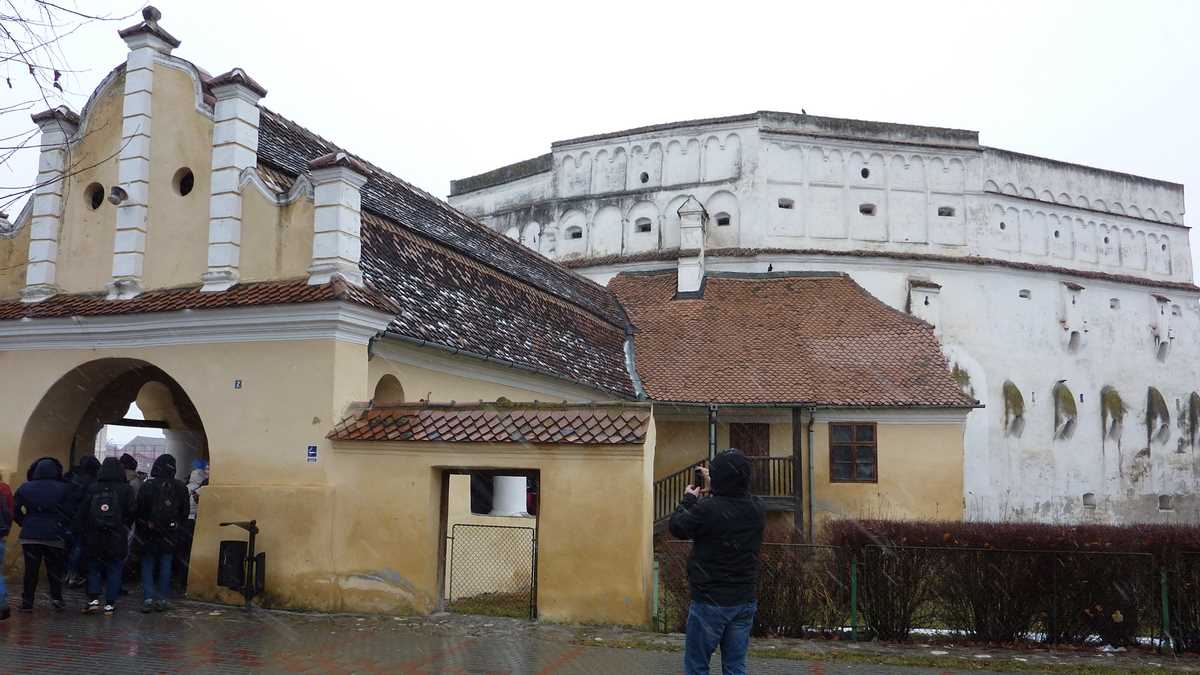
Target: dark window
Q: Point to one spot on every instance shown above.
(865, 173)
(645, 177)
(852, 453)
(184, 181)
(866, 209)
(643, 225)
(785, 203)
(574, 233)
(946, 211)
(723, 219)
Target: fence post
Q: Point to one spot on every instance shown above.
(1165, 586)
(854, 599)
(654, 617)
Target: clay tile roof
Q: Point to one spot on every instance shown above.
(498, 423)
(458, 284)
(169, 300)
(816, 339)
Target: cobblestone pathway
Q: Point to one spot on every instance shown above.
(198, 638)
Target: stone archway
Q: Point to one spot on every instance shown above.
(71, 412)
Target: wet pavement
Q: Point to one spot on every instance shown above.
(200, 638)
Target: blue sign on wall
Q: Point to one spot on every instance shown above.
(312, 454)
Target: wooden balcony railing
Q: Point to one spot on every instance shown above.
(770, 477)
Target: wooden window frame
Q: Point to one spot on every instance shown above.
(854, 446)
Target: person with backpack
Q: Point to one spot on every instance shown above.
(162, 508)
(40, 508)
(81, 479)
(104, 518)
(6, 519)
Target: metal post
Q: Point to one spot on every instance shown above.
(656, 615)
(854, 599)
(798, 469)
(712, 432)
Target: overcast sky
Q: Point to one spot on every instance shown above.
(435, 91)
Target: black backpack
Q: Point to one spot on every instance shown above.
(105, 510)
(6, 517)
(164, 506)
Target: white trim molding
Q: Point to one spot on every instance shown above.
(333, 320)
(302, 187)
(887, 416)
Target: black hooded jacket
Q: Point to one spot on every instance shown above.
(726, 529)
(41, 504)
(107, 544)
(159, 529)
(81, 479)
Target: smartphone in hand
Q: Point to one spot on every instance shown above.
(698, 478)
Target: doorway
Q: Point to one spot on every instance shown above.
(754, 440)
(489, 542)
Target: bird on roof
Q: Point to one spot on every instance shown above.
(803, 111)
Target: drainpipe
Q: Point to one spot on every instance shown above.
(712, 432)
(811, 525)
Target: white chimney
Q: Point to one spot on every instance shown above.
(234, 149)
(692, 221)
(146, 41)
(58, 125)
(337, 217)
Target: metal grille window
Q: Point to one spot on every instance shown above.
(853, 453)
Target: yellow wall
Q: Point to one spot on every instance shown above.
(920, 467)
(177, 234)
(433, 385)
(920, 475)
(276, 241)
(390, 558)
(86, 239)
(14, 254)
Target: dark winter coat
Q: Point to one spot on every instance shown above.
(41, 504)
(163, 537)
(7, 510)
(81, 479)
(726, 529)
(107, 544)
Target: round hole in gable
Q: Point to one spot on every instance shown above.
(184, 181)
(645, 177)
(1002, 225)
(94, 195)
(865, 173)
(1056, 234)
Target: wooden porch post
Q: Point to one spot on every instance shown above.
(798, 467)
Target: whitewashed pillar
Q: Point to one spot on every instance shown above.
(692, 220)
(58, 125)
(145, 40)
(235, 148)
(509, 496)
(337, 218)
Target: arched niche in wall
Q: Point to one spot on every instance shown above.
(388, 391)
(908, 173)
(1112, 413)
(1193, 418)
(722, 157)
(670, 221)
(1066, 413)
(1014, 409)
(606, 231)
(682, 164)
(643, 228)
(645, 166)
(1158, 417)
(572, 234)
(723, 223)
(513, 233)
(531, 235)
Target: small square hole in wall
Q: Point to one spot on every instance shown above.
(643, 225)
(1025, 294)
(1114, 303)
(1089, 500)
(723, 219)
(1176, 311)
(785, 203)
(866, 209)
(946, 211)
(1165, 503)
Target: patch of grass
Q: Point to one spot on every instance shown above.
(515, 605)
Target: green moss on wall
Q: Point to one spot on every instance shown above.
(1014, 406)
(1112, 412)
(1065, 411)
(1158, 417)
(1193, 417)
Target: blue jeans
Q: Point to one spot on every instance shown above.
(710, 626)
(156, 575)
(110, 572)
(3, 585)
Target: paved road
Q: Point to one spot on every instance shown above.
(206, 639)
